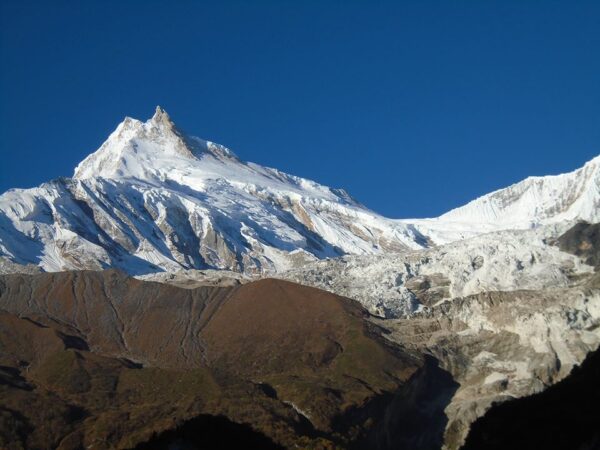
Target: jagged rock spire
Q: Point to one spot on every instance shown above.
(161, 117)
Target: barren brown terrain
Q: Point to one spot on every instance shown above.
(102, 360)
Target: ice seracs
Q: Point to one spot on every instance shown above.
(398, 285)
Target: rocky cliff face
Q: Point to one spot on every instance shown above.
(583, 240)
(503, 345)
(506, 314)
(564, 416)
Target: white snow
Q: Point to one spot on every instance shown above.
(528, 204)
(152, 199)
(500, 261)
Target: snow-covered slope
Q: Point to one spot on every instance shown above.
(152, 198)
(530, 203)
(538, 200)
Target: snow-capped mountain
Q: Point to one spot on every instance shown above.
(503, 291)
(538, 200)
(151, 198)
(528, 204)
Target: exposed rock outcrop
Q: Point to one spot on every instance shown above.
(565, 416)
(503, 345)
(583, 240)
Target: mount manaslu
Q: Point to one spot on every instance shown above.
(364, 333)
(153, 199)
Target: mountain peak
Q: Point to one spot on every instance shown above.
(537, 200)
(160, 111)
(137, 149)
(161, 117)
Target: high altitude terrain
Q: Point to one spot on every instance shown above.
(488, 303)
(152, 198)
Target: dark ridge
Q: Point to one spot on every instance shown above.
(298, 365)
(566, 416)
(583, 240)
(208, 432)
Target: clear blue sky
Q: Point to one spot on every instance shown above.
(414, 107)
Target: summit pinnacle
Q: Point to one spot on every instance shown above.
(162, 117)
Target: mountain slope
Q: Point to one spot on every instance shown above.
(535, 201)
(538, 200)
(95, 359)
(153, 199)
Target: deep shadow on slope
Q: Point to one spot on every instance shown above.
(566, 416)
(208, 432)
(582, 240)
(413, 418)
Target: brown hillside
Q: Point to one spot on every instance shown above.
(113, 361)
